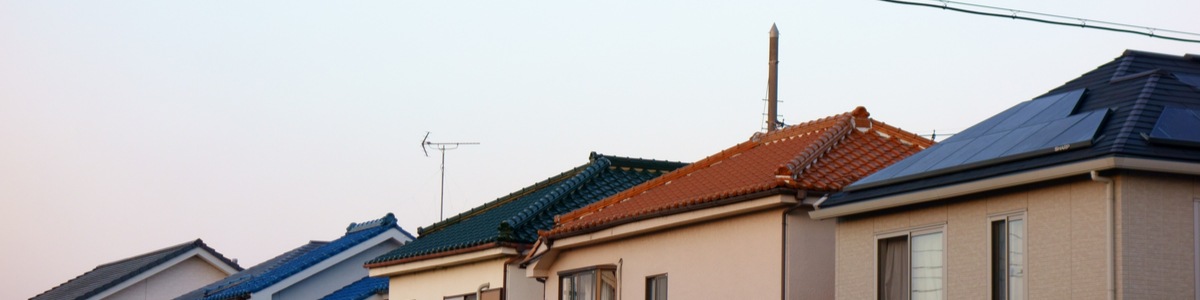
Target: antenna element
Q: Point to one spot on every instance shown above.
(425, 143)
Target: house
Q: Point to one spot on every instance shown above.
(731, 226)
(314, 270)
(1090, 191)
(160, 274)
(475, 254)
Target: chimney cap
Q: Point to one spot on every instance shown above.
(774, 30)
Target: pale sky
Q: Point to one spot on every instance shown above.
(129, 126)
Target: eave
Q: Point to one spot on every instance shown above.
(1005, 181)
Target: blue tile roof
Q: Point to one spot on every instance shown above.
(111, 274)
(361, 289)
(1133, 91)
(279, 268)
(516, 218)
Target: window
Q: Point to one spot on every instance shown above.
(911, 265)
(656, 287)
(1008, 257)
(593, 284)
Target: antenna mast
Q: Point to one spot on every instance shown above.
(425, 143)
(773, 80)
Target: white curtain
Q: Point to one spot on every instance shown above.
(927, 266)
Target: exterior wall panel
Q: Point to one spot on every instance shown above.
(731, 258)
(1065, 234)
(457, 280)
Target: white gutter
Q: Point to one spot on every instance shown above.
(1038, 175)
(1110, 204)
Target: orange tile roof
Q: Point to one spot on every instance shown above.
(820, 156)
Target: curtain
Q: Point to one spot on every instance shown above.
(893, 268)
(927, 265)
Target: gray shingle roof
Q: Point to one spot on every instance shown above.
(111, 274)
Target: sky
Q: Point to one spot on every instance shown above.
(130, 126)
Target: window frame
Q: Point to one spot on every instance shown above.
(1007, 217)
(595, 270)
(650, 283)
(909, 233)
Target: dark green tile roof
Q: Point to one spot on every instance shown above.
(516, 218)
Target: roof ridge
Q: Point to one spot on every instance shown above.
(670, 176)
(599, 162)
(437, 226)
(1136, 112)
(808, 156)
(388, 219)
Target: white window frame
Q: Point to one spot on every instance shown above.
(1006, 217)
(910, 233)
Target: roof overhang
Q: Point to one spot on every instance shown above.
(1005, 181)
(491, 251)
(539, 264)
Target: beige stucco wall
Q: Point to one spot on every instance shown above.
(810, 247)
(1065, 251)
(456, 280)
(731, 258)
(183, 277)
(519, 286)
(1156, 239)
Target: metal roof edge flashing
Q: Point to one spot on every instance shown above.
(1010, 180)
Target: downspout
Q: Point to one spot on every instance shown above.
(1110, 207)
(783, 273)
(479, 291)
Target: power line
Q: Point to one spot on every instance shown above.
(1057, 19)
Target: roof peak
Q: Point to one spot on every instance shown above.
(387, 220)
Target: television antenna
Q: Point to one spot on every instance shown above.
(425, 143)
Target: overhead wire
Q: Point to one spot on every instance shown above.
(1083, 23)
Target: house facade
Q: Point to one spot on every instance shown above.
(317, 270)
(731, 226)
(159, 274)
(476, 254)
(1091, 191)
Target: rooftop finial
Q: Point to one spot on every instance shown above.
(774, 30)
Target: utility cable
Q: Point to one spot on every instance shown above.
(1083, 23)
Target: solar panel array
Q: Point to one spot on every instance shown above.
(1190, 79)
(1035, 127)
(1177, 126)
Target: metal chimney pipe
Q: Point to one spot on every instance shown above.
(773, 80)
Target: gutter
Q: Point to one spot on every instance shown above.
(1004, 181)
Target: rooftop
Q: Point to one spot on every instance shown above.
(1140, 105)
(111, 274)
(289, 263)
(819, 156)
(515, 218)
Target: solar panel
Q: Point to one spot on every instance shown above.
(1034, 127)
(1190, 79)
(1177, 126)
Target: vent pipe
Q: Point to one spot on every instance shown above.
(773, 80)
